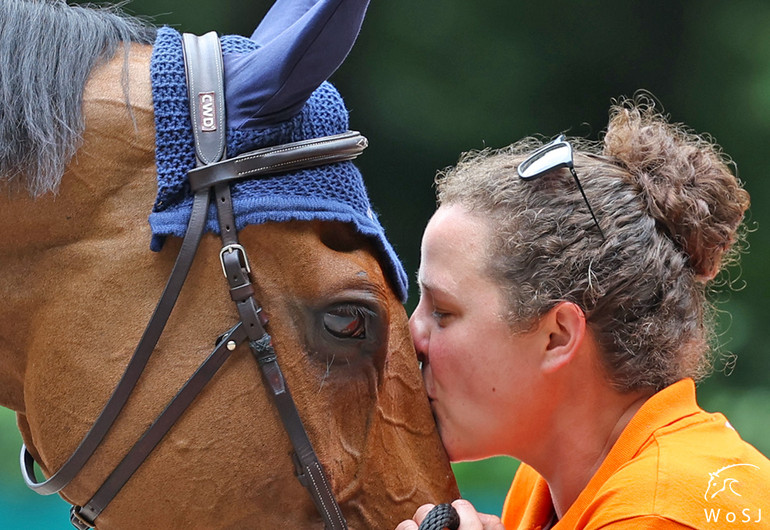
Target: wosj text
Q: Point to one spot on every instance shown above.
(745, 516)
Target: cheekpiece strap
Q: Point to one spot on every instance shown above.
(205, 81)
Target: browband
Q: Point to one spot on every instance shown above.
(279, 159)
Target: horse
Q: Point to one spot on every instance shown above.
(78, 171)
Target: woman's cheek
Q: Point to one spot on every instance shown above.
(441, 364)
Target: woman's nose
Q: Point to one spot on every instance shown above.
(420, 334)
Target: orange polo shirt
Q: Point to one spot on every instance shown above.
(674, 466)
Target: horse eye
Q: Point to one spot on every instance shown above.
(346, 322)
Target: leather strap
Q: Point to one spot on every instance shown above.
(210, 149)
(160, 427)
(279, 159)
(205, 81)
(205, 88)
(309, 469)
(235, 265)
(135, 367)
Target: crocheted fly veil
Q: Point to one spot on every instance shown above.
(276, 93)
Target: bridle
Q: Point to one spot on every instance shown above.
(212, 176)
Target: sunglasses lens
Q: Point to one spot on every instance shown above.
(555, 155)
(552, 156)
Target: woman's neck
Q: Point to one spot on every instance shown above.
(588, 433)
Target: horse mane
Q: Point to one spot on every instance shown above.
(47, 51)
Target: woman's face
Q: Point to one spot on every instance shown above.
(480, 376)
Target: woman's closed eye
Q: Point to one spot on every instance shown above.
(440, 316)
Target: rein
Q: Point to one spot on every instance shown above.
(213, 175)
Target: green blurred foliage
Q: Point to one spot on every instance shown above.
(9, 439)
(430, 79)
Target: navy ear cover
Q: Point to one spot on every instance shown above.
(301, 43)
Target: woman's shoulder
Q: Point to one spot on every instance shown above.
(687, 450)
(696, 471)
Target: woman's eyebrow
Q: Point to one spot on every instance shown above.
(433, 289)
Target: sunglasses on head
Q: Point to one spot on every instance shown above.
(554, 155)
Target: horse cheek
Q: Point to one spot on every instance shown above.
(404, 435)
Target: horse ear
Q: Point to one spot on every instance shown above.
(301, 44)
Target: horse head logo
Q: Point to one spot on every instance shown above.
(722, 480)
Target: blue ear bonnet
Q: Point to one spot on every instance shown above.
(333, 192)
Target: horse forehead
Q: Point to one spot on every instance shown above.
(310, 249)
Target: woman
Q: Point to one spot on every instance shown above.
(563, 321)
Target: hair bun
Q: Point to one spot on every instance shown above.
(684, 179)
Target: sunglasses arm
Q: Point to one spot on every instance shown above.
(583, 193)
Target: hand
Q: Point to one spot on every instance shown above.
(470, 519)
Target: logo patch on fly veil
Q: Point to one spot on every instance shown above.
(208, 117)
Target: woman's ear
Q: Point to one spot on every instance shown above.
(565, 324)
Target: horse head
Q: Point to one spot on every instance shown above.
(79, 285)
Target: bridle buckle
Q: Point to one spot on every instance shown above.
(78, 520)
(242, 257)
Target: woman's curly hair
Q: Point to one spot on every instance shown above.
(671, 211)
